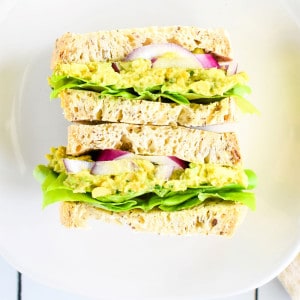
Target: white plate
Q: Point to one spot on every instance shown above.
(110, 262)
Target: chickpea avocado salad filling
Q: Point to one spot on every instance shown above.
(118, 181)
(146, 79)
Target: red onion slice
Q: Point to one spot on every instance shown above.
(164, 172)
(164, 160)
(114, 162)
(111, 154)
(207, 61)
(183, 58)
(156, 50)
(114, 167)
(181, 163)
(76, 165)
(232, 68)
(126, 156)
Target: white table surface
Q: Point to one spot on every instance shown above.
(14, 286)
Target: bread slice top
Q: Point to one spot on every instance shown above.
(114, 45)
(192, 145)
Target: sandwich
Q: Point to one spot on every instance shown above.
(147, 142)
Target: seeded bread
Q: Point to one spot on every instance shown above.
(192, 145)
(86, 106)
(116, 44)
(212, 217)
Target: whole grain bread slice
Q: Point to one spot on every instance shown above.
(188, 144)
(212, 217)
(87, 106)
(114, 45)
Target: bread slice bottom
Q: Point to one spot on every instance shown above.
(87, 106)
(212, 217)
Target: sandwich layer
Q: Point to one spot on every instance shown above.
(131, 181)
(138, 79)
(192, 145)
(212, 217)
(87, 106)
(116, 44)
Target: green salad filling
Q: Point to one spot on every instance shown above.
(141, 188)
(138, 80)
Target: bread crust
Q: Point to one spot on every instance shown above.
(188, 144)
(116, 44)
(290, 278)
(212, 217)
(87, 106)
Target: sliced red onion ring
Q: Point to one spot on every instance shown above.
(76, 165)
(164, 172)
(164, 160)
(111, 154)
(183, 58)
(106, 163)
(181, 163)
(207, 61)
(127, 155)
(232, 68)
(114, 168)
(156, 50)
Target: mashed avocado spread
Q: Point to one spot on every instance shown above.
(140, 76)
(138, 80)
(142, 188)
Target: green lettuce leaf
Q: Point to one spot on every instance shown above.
(54, 190)
(239, 92)
(61, 82)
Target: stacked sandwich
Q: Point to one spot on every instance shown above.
(142, 148)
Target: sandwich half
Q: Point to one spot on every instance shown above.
(143, 148)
